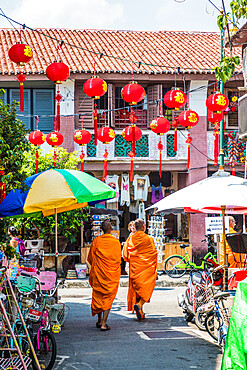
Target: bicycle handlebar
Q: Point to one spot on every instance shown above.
(3, 269)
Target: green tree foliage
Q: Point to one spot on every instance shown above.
(13, 145)
(65, 160)
(227, 66)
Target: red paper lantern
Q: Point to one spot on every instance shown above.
(37, 138)
(132, 133)
(57, 72)
(20, 54)
(160, 125)
(95, 87)
(133, 93)
(188, 118)
(214, 117)
(217, 102)
(54, 139)
(105, 135)
(82, 137)
(175, 99)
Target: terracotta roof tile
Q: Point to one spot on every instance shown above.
(163, 51)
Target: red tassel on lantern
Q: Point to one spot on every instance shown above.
(188, 141)
(21, 78)
(131, 155)
(95, 124)
(58, 98)
(160, 147)
(55, 158)
(233, 171)
(216, 143)
(82, 156)
(175, 125)
(105, 155)
(37, 161)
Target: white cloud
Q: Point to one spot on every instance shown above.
(68, 13)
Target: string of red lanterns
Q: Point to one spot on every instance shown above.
(160, 126)
(105, 135)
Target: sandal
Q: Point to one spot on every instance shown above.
(106, 329)
(98, 325)
(139, 314)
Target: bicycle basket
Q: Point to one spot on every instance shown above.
(25, 284)
(201, 297)
(58, 313)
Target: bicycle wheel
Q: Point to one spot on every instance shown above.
(47, 352)
(200, 320)
(212, 324)
(174, 266)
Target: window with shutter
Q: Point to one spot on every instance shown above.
(232, 116)
(14, 94)
(154, 93)
(44, 107)
(84, 105)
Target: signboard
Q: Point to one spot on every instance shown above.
(214, 225)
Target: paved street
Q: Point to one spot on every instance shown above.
(163, 341)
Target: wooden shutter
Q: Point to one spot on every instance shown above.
(14, 94)
(84, 105)
(111, 104)
(154, 93)
(43, 105)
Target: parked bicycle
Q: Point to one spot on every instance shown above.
(176, 265)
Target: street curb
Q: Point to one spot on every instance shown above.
(124, 282)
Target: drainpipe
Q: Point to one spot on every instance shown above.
(222, 92)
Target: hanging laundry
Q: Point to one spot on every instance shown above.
(112, 181)
(141, 185)
(125, 190)
(156, 194)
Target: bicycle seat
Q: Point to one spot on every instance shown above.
(184, 245)
(221, 295)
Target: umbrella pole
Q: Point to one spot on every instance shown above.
(225, 278)
(56, 243)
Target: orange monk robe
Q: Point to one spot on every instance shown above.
(235, 260)
(140, 251)
(105, 260)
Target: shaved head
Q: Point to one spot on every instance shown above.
(106, 227)
(140, 224)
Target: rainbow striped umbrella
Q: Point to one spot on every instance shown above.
(55, 191)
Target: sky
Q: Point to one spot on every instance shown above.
(151, 15)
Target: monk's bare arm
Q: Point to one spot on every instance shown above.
(91, 252)
(125, 250)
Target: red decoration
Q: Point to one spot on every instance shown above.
(105, 135)
(20, 54)
(58, 98)
(95, 118)
(54, 139)
(82, 156)
(82, 137)
(214, 117)
(217, 102)
(133, 93)
(188, 141)
(105, 155)
(160, 148)
(216, 143)
(160, 125)
(131, 133)
(57, 72)
(188, 118)
(175, 125)
(132, 156)
(95, 87)
(175, 99)
(37, 138)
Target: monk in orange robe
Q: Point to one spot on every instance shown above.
(105, 260)
(140, 251)
(235, 260)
